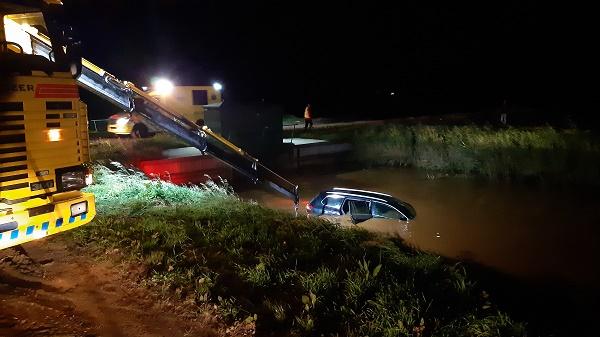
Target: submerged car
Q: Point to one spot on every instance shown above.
(370, 210)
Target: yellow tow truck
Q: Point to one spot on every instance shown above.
(192, 102)
(43, 132)
(44, 128)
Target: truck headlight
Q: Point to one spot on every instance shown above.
(122, 121)
(79, 208)
(72, 180)
(89, 178)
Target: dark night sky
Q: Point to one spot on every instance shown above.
(343, 56)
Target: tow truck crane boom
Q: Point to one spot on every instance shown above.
(128, 97)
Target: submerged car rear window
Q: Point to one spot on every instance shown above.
(331, 204)
(333, 201)
(317, 199)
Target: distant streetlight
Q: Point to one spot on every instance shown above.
(217, 86)
(162, 86)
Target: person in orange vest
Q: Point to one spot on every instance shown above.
(308, 117)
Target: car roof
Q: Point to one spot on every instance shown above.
(376, 196)
(362, 192)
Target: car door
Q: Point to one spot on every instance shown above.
(384, 211)
(387, 220)
(355, 211)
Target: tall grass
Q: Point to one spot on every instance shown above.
(296, 276)
(542, 153)
(130, 149)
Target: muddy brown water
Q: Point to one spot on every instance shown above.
(532, 232)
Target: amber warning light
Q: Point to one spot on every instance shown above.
(54, 135)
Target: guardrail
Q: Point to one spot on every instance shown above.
(98, 125)
(293, 125)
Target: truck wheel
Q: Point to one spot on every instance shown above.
(140, 131)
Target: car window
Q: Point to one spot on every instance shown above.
(317, 199)
(346, 207)
(385, 211)
(331, 205)
(406, 209)
(357, 207)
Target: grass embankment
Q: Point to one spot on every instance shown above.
(131, 149)
(542, 153)
(292, 275)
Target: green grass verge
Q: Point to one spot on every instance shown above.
(297, 276)
(542, 153)
(130, 149)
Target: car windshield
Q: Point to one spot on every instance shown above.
(405, 208)
(384, 211)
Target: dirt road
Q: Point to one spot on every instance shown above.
(50, 288)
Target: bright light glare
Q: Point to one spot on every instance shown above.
(217, 86)
(122, 121)
(17, 33)
(89, 179)
(162, 86)
(54, 135)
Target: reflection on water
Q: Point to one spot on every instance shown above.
(528, 231)
(390, 227)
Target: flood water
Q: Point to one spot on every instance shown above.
(534, 232)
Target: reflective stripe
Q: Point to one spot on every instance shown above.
(36, 230)
(14, 234)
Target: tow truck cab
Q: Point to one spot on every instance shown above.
(43, 130)
(192, 102)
